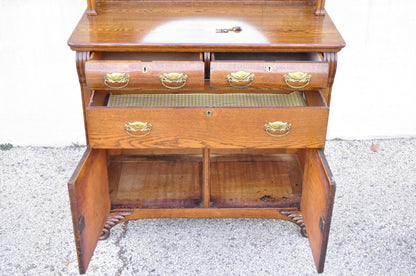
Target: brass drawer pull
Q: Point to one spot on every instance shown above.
(132, 128)
(240, 76)
(121, 80)
(277, 126)
(173, 78)
(299, 77)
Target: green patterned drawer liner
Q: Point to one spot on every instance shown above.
(207, 100)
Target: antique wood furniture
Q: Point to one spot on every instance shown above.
(204, 109)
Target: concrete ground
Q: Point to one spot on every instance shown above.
(373, 229)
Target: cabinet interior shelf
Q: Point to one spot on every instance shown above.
(176, 181)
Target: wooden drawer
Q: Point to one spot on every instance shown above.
(198, 126)
(291, 71)
(165, 71)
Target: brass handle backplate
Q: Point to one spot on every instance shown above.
(173, 78)
(116, 80)
(134, 127)
(281, 127)
(240, 76)
(297, 77)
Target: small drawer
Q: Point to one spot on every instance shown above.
(164, 71)
(290, 71)
(208, 120)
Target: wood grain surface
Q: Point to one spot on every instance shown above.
(317, 201)
(264, 80)
(90, 203)
(192, 128)
(191, 26)
(250, 181)
(145, 70)
(155, 181)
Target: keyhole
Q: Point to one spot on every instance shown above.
(269, 68)
(145, 69)
(208, 113)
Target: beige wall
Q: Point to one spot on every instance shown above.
(375, 89)
(40, 104)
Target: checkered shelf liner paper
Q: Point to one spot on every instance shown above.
(207, 100)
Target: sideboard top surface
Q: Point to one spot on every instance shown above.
(191, 26)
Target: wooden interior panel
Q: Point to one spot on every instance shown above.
(184, 151)
(255, 181)
(316, 203)
(155, 181)
(320, 4)
(255, 56)
(90, 203)
(314, 99)
(147, 56)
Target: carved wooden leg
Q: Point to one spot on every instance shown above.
(113, 218)
(296, 217)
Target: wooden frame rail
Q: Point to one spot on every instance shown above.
(92, 5)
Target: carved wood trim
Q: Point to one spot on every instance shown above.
(113, 219)
(332, 60)
(296, 217)
(81, 59)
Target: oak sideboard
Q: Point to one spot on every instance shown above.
(204, 109)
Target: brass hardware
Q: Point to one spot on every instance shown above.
(240, 76)
(81, 223)
(299, 77)
(277, 126)
(121, 79)
(236, 29)
(138, 127)
(322, 224)
(145, 69)
(269, 68)
(208, 113)
(175, 78)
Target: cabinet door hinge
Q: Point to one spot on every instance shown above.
(81, 224)
(322, 224)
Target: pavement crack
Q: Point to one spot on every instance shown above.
(121, 250)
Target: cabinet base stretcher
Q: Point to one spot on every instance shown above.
(117, 216)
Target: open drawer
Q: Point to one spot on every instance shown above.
(296, 120)
(290, 71)
(293, 185)
(163, 71)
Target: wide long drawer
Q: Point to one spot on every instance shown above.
(209, 123)
(164, 71)
(291, 71)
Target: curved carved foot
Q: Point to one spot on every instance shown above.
(113, 219)
(296, 216)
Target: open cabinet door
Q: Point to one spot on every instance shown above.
(316, 204)
(90, 203)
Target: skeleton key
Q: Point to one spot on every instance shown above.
(235, 29)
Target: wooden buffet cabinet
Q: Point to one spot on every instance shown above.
(204, 109)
